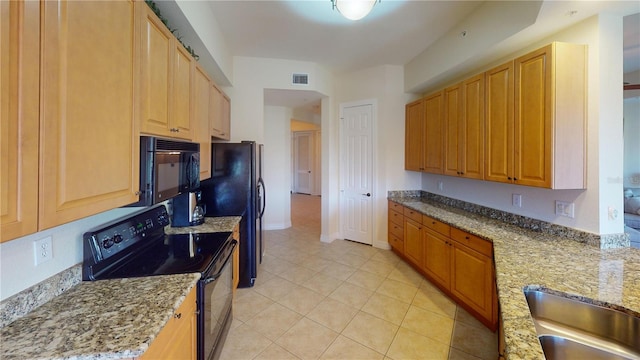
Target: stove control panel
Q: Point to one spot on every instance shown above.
(115, 237)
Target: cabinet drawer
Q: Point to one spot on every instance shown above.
(396, 217)
(471, 241)
(435, 225)
(395, 206)
(396, 229)
(413, 215)
(396, 242)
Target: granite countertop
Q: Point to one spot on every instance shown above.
(106, 319)
(525, 258)
(211, 224)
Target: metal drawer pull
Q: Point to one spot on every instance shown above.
(177, 316)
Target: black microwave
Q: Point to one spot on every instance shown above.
(167, 168)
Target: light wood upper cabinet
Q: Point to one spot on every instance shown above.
(183, 70)
(472, 124)
(88, 135)
(550, 117)
(201, 107)
(464, 128)
(414, 131)
(156, 64)
(165, 80)
(220, 114)
(19, 110)
(499, 124)
(453, 126)
(177, 340)
(523, 122)
(434, 133)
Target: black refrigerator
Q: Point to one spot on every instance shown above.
(236, 188)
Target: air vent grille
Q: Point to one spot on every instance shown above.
(300, 79)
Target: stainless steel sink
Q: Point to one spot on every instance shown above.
(571, 329)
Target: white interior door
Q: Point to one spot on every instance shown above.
(357, 161)
(303, 162)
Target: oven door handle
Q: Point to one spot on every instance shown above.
(217, 275)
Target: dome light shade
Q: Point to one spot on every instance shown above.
(354, 9)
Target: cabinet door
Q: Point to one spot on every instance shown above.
(472, 134)
(155, 74)
(499, 124)
(183, 67)
(533, 119)
(413, 248)
(88, 141)
(437, 258)
(453, 131)
(177, 340)
(414, 130)
(202, 96)
(433, 134)
(226, 117)
(19, 110)
(472, 280)
(220, 114)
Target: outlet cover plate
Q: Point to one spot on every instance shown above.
(43, 250)
(564, 208)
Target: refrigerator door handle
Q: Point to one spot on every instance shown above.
(263, 197)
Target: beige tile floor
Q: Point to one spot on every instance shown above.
(345, 300)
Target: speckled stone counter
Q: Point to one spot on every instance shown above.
(106, 319)
(211, 224)
(66, 318)
(523, 257)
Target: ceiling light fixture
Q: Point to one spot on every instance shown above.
(354, 9)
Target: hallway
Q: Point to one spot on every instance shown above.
(345, 300)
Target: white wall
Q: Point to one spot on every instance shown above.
(632, 142)
(251, 77)
(17, 269)
(603, 35)
(276, 175)
(385, 84)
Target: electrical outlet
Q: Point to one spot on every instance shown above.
(516, 200)
(440, 185)
(42, 250)
(564, 208)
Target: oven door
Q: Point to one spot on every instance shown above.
(216, 300)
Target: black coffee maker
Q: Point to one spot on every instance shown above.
(188, 209)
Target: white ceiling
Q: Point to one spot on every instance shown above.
(394, 33)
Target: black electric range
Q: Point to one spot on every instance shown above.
(136, 245)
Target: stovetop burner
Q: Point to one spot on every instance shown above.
(137, 246)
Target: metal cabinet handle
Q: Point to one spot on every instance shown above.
(177, 316)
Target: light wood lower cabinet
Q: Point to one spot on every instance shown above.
(413, 241)
(459, 263)
(437, 258)
(177, 340)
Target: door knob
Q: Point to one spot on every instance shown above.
(367, 194)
